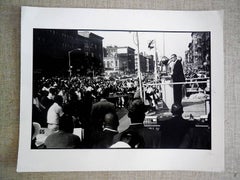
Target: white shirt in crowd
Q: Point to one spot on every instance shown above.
(54, 113)
(120, 144)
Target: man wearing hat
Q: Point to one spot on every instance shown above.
(151, 138)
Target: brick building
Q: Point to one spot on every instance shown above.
(199, 49)
(51, 49)
(119, 59)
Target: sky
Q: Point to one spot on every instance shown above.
(174, 42)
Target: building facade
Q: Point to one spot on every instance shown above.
(119, 59)
(146, 63)
(55, 52)
(150, 63)
(198, 52)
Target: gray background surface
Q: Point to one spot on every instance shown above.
(10, 85)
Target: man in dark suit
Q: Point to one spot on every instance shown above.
(177, 76)
(104, 139)
(98, 112)
(174, 129)
(151, 138)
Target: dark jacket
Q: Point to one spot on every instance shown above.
(173, 131)
(63, 140)
(104, 139)
(99, 110)
(178, 75)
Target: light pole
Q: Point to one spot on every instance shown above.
(139, 68)
(155, 58)
(69, 60)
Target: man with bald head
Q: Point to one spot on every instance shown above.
(104, 139)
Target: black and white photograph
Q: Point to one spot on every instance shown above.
(121, 90)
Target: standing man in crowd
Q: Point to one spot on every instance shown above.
(98, 112)
(47, 102)
(177, 76)
(54, 113)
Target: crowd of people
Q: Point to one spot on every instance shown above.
(101, 125)
(77, 98)
(61, 104)
(102, 130)
(76, 95)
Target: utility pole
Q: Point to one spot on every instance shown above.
(139, 70)
(69, 64)
(155, 55)
(163, 51)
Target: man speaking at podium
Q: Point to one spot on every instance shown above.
(177, 76)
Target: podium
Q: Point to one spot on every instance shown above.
(167, 91)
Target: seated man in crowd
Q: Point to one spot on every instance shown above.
(35, 131)
(174, 130)
(104, 139)
(63, 139)
(151, 138)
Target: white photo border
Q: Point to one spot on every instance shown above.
(123, 159)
